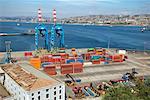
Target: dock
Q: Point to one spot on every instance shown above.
(15, 34)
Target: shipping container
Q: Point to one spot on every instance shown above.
(95, 57)
(35, 62)
(78, 70)
(106, 62)
(50, 69)
(27, 54)
(77, 65)
(64, 55)
(95, 61)
(46, 63)
(102, 59)
(63, 61)
(74, 53)
(86, 56)
(66, 71)
(66, 68)
(80, 60)
(61, 51)
(68, 61)
(91, 50)
(118, 58)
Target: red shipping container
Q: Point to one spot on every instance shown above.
(102, 59)
(66, 68)
(27, 53)
(87, 57)
(117, 58)
(78, 70)
(66, 71)
(51, 73)
(96, 62)
(77, 65)
(63, 61)
(62, 48)
(64, 55)
(50, 69)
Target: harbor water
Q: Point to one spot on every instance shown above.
(79, 36)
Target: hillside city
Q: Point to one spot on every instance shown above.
(143, 19)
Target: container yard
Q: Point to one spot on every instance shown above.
(86, 69)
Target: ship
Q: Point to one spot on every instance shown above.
(145, 28)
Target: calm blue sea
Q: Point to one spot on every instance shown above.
(78, 36)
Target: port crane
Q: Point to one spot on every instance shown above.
(8, 52)
(41, 29)
(57, 34)
(53, 39)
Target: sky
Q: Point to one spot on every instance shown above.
(71, 8)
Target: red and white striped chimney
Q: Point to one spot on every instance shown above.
(39, 15)
(54, 16)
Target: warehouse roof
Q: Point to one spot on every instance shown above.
(28, 77)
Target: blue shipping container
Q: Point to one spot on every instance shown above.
(46, 63)
(70, 61)
(80, 60)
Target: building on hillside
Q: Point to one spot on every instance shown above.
(26, 83)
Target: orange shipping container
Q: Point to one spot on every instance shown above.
(118, 58)
(35, 62)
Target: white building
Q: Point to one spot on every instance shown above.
(27, 83)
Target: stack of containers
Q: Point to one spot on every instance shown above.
(46, 63)
(102, 58)
(68, 61)
(80, 60)
(86, 56)
(26, 54)
(104, 51)
(35, 62)
(91, 50)
(57, 59)
(73, 52)
(118, 58)
(63, 61)
(77, 67)
(50, 69)
(62, 50)
(64, 55)
(66, 68)
(107, 59)
(99, 52)
(95, 59)
(47, 58)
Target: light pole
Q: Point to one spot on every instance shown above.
(108, 45)
(144, 47)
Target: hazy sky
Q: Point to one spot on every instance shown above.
(68, 8)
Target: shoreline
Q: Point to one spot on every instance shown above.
(110, 25)
(136, 50)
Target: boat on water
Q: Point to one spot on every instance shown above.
(145, 28)
(18, 24)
